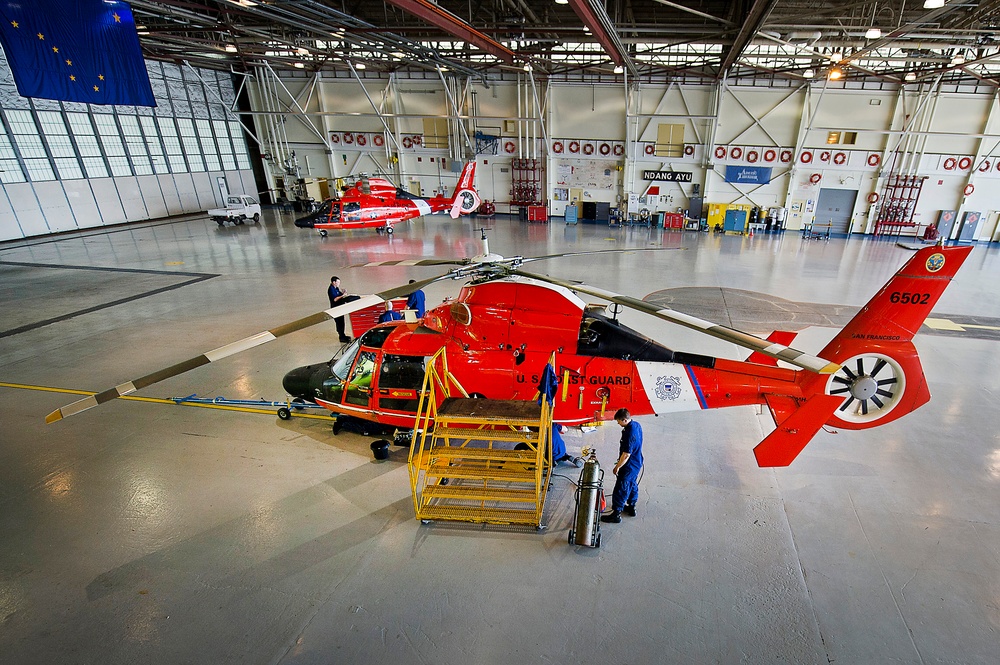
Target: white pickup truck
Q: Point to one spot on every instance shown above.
(239, 208)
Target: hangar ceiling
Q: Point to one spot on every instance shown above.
(687, 40)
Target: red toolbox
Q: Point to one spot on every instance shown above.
(538, 213)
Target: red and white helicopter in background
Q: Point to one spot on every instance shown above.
(506, 323)
(376, 203)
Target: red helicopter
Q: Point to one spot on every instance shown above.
(376, 203)
(502, 329)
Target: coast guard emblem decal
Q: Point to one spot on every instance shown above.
(668, 387)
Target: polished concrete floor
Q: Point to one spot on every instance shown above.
(141, 532)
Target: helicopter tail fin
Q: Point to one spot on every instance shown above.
(880, 378)
(466, 198)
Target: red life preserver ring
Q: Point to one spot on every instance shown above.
(509, 147)
(872, 197)
(689, 150)
(770, 155)
(752, 156)
(950, 163)
(418, 140)
(985, 166)
(588, 148)
(824, 156)
(786, 156)
(407, 142)
(649, 149)
(348, 138)
(736, 152)
(720, 152)
(334, 139)
(969, 189)
(378, 140)
(557, 147)
(605, 149)
(964, 163)
(619, 150)
(574, 146)
(815, 177)
(362, 139)
(873, 159)
(840, 158)
(806, 157)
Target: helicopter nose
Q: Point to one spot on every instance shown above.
(305, 222)
(298, 382)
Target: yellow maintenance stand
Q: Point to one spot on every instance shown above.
(478, 460)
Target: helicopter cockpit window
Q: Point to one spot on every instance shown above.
(360, 384)
(400, 379)
(343, 364)
(375, 337)
(352, 206)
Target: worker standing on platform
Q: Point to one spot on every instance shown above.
(627, 469)
(339, 297)
(417, 301)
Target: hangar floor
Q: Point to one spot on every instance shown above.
(147, 533)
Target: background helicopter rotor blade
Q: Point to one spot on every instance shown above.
(236, 347)
(746, 340)
(623, 250)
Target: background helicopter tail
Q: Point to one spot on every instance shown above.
(466, 198)
(880, 378)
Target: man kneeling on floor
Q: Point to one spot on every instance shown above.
(627, 469)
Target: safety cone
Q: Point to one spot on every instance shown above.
(751, 232)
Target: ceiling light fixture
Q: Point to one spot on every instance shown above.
(299, 65)
(527, 66)
(808, 74)
(398, 54)
(302, 51)
(562, 2)
(835, 74)
(619, 69)
(230, 48)
(873, 33)
(959, 59)
(910, 76)
(933, 4)
(360, 65)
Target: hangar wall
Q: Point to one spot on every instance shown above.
(66, 165)
(942, 126)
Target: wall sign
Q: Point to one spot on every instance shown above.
(757, 175)
(668, 176)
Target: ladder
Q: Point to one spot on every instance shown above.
(478, 460)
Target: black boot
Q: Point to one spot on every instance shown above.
(629, 510)
(614, 517)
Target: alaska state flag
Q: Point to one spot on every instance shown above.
(75, 50)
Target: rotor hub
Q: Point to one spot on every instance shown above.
(864, 387)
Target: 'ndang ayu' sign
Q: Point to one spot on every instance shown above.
(667, 176)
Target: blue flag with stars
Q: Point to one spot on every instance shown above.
(75, 50)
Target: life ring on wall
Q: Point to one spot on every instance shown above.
(509, 147)
(873, 197)
(786, 156)
(965, 163)
(605, 149)
(950, 163)
(720, 152)
(840, 158)
(334, 139)
(378, 140)
(873, 159)
(557, 147)
(348, 138)
(619, 150)
(418, 140)
(824, 156)
(362, 139)
(649, 149)
(574, 146)
(815, 177)
(770, 155)
(969, 189)
(806, 157)
(985, 166)
(736, 152)
(689, 150)
(407, 142)
(588, 148)
(752, 156)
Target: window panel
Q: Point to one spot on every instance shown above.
(119, 165)
(95, 167)
(10, 170)
(192, 149)
(39, 169)
(229, 162)
(68, 169)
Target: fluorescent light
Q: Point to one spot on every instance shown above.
(808, 74)
(619, 69)
(398, 54)
(299, 65)
(360, 65)
(562, 2)
(933, 4)
(230, 48)
(873, 33)
(527, 66)
(910, 76)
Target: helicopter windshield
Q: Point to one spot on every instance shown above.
(342, 365)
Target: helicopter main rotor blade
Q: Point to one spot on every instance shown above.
(746, 340)
(623, 250)
(516, 260)
(413, 262)
(235, 347)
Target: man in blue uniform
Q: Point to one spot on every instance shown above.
(416, 301)
(339, 297)
(627, 469)
(389, 314)
(559, 453)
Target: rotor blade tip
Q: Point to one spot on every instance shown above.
(53, 417)
(831, 368)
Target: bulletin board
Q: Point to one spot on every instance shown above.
(587, 173)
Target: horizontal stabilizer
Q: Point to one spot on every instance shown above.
(788, 439)
(783, 337)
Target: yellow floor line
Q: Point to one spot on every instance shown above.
(159, 400)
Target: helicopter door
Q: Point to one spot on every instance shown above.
(399, 382)
(358, 391)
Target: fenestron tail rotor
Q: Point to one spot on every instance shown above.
(235, 347)
(872, 385)
(746, 340)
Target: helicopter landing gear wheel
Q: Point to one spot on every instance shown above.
(285, 413)
(337, 426)
(298, 403)
(388, 230)
(322, 233)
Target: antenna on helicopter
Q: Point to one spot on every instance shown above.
(614, 309)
